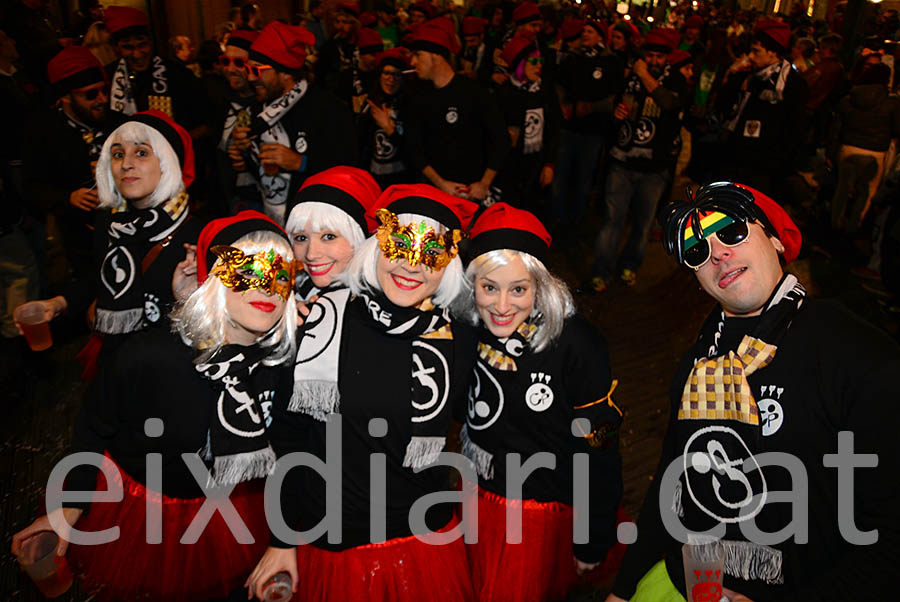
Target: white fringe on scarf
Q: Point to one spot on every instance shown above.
(242, 467)
(316, 398)
(480, 457)
(677, 507)
(423, 451)
(118, 322)
(753, 561)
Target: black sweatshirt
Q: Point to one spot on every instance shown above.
(458, 130)
(832, 373)
(531, 410)
(590, 79)
(152, 375)
(387, 376)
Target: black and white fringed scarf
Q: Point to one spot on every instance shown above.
(237, 444)
(768, 83)
(267, 129)
(719, 427)
(132, 233)
(304, 289)
(426, 328)
(121, 93)
(92, 137)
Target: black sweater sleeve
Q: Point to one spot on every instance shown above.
(497, 138)
(553, 117)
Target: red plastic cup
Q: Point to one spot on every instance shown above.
(49, 571)
(31, 318)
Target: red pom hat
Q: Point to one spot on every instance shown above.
(517, 50)
(423, 7)
(227, 230)
(72, 68)
(695, 21)
(125, 21)
(369, 41)
(367, 19)
(659, 40)
(678, 58)
(351, 8)
(782, 224)
(423, 199)
(434, 36)
(282, 46)
(472, 26)
(503, 226)
(177, 137)
(778, 32)
(352, 190)
(571, 29)
(242, 38)
(398, 57)
(525, 13)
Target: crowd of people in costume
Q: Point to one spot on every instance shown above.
(325, 244)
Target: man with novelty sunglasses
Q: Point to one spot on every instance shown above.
(782, 437)
(62, 149)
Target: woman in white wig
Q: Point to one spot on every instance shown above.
(176, 413)
(327, 224)
(542, 383)
(384, 354)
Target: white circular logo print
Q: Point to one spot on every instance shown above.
(430, 372)
(645, 131)
(539, 397)
(771, 416)
(485, 399)
(598, 73)
(319, 330)
(300, 144)
(452, 116)
(719, 467)
(117, 271)
(151, 309)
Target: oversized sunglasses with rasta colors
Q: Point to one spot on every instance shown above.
(239, 63)
(416, 242)
(255, 70)
(728, 230)
(266, 271)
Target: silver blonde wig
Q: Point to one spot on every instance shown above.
(313, 216)
(202, 318)
(552, 299)
(170, 183)
(361, 273)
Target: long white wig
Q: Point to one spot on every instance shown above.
(170, 183)
(314, 216)
(552, 299)
(361, 273)
(202, 318)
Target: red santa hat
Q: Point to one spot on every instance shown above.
(282, 46)
(778, 32)
(352, 190)
(72, 68)
(503, 226)
(242, 38)
(423, 7)
(571, 29)
(425, 200)
(694, 21)
(473, 26)
(369, 41)
(525, 13)
(659, 40)
(398, 57)
(367, 19)
(434, 36)
(678, 58)
(517, 50)
(350, 8)
(227, 231)
(125, 21)
(779, 223)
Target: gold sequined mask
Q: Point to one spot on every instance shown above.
(266, 271)
(416, 242)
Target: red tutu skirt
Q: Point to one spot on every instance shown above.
(129, 568)
(541, 567)
(403, 569)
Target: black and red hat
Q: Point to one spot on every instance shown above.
(352, 190)
(282, 46)
(124, 21)
(426, 200)
(435, 36)
(349, 8)
(517, 50)
(227, 230)
(72, 68)
(369, 41)
(503, 226)
(660, 40)
(177, 137)
(242, 38)
(398, 57)
(526, 12)
(571, 29)
(775, 30)
(423, 7)
(473, 26)
(599, 26)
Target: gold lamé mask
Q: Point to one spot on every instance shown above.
(266, 271)
(416, 242)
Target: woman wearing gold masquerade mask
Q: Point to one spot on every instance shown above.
(175, 412)
(385, 356)
(540, 368)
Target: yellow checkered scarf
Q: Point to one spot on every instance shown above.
(717, 388)
(495, 355)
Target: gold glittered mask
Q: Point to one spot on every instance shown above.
(266, 271)
(416, 242)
